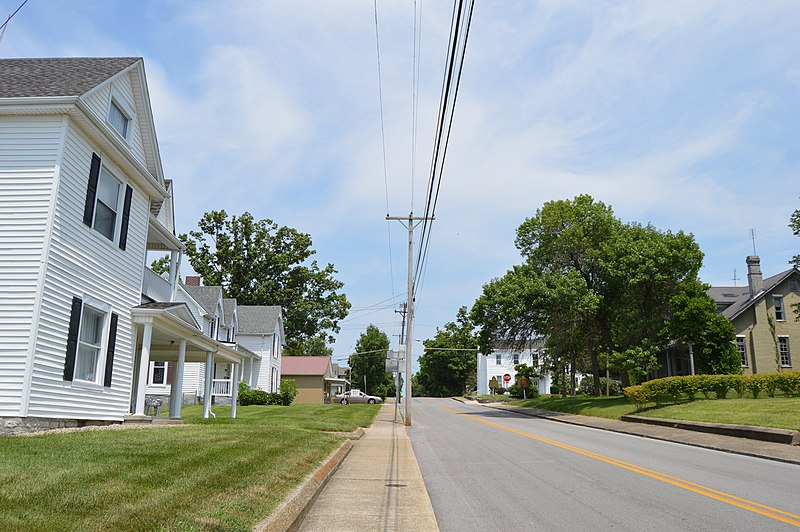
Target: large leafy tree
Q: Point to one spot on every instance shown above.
(369, 361)
(449, 365)
(260, 263)
(794, 224)
(590, 284)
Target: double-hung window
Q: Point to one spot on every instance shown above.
(159, 376)
(90, 342)
(107, 210)
(498, 359)
(516, 358)
(783, 351)
(119, 119)
(777, 302)
(91, 339)
(741, 347)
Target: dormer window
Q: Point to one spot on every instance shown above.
(118, 119)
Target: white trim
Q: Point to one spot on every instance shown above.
(788, 351)
(100, 362)
(775, 307)
(27, 379)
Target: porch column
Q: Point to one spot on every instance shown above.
(208, 384)
(174, 264)
(176, 392)
(234, 389)
(144, 367)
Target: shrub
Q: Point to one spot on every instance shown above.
(788, 383)
(288, 391)
(516, 391)
(739, 385)
(253, 397)
(586, 386)
(555, 390)
(381, 391)
(639, 395)
(754, 384)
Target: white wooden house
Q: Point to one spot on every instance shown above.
(501, 362)
(82, 200)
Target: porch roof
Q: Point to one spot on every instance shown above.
(169, 328)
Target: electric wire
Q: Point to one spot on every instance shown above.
(3, 27)
(383, 143)
(459, 31)
(415, 93)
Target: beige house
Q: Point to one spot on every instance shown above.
(764, 349)
(314, 376)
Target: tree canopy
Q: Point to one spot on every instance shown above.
(260, 263)
(445, 370)
(369, 361)
(592, 284)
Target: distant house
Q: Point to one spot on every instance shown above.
(501, 362)
(87, 329)
(314, 377)
(260, 330)
(749, 308)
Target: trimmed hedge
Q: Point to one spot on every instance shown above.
(248, 396)
(675, 389)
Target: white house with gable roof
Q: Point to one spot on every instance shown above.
(83, 199)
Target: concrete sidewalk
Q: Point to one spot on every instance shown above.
(762, 449)
(377, 487)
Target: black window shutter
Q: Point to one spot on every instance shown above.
(112, 340)
(72, 338)
(126, 216)
(91, 190)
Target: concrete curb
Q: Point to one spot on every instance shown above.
(291, 512)
(789, 437)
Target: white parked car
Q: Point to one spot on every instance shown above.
(356, 396)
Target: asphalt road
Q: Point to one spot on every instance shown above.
(488, 469)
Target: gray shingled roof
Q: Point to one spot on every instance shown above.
(64, 76)
(732, 304)
(258, 319)
(228, 306)
(207, 296)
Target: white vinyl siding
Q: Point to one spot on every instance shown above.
(83, 263)
(99, 101)
(29, 150)
(261, 345)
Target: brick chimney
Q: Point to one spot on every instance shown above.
(192, 280)
(754, 278)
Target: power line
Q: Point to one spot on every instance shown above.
(3, 27)
(383, 142)
(415, 94)
(459, 33)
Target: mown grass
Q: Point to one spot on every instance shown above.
(609, 407)
(777, 412)
(221, 474)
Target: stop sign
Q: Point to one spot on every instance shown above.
(507, 377)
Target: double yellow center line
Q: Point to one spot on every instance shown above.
(721, 496)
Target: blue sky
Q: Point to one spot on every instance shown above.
(683, 114)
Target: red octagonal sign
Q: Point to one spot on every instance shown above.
(507, 377)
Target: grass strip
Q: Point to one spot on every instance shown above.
(221, 474)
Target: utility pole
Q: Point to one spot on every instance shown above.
(410, 303)
(402, 312)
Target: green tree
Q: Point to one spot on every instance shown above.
(444, 370)
(694, 320)
(259, 263)
(369, 361)
(590, 284)
(161, 266)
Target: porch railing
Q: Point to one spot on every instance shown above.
(221, 387)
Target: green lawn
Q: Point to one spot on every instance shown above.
(609, 407)
(778, 412)
(218, 474)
